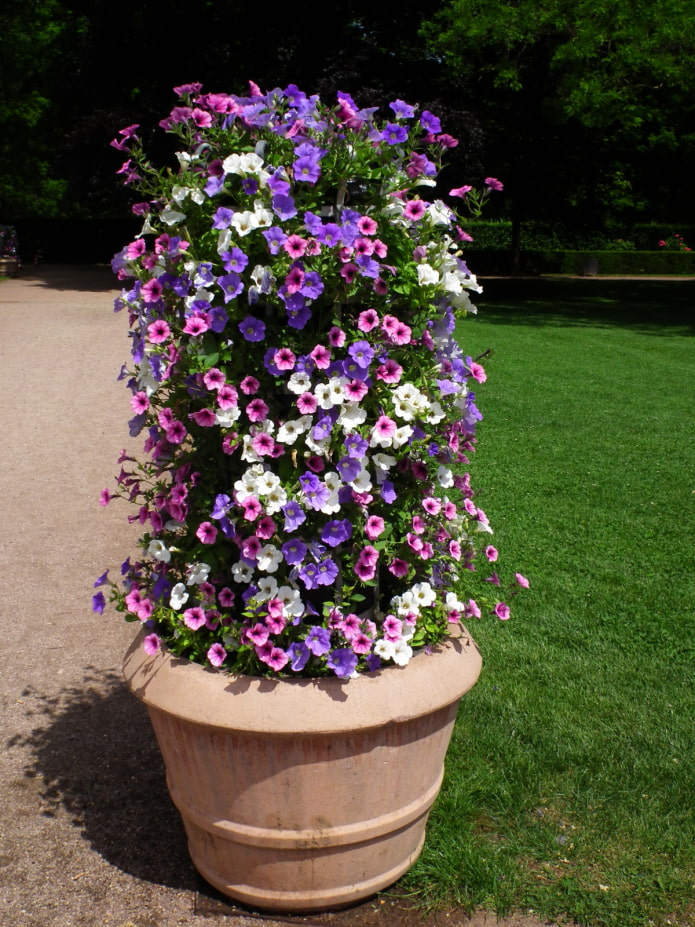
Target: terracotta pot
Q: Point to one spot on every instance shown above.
(303, 795)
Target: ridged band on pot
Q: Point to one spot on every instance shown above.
(302, 795)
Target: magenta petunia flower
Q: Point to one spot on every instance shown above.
(321, 356)
(249, 386)
(502, 611)
(374, 527)
(390, 371)
(368, 319)
(307, 403)
(491, 553)
(521, 580)
(492, 183)
(194, 618)
(336, 337)
(257, 410)
(226, 597)
(461, 191)
(367, 225)
(415, 210)
(295, 246)
(398, 567)
(206, 533)
(151, 644)
(217, 655)
(284, 359)
(158, 332)
(214, 379)
(104, 497)
(152, 291)
(477, 372)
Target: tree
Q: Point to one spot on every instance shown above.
(594, 98)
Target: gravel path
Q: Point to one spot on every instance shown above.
(88, 836)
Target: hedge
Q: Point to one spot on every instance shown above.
(610, 263)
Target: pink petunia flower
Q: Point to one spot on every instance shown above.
(257, 410)
(206, 533)
(295, 246)
(367, 320)
(104, 497)
(374, 527)
(521, 580)
(321, 356)
(217, 655)
(151, 644)
(307, 403)
(249, 386)
(502, 611)
(158, 331)
(366, 225)
(139, 402)
(398, 567)
(491, 553)
(194, 618)
(284, 359)
(336, 337)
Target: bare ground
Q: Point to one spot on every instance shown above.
(88, 836)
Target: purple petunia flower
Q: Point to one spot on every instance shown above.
(283, 206)
(342, 661)
(294, 515)
(294, 551)
(318, 641)
(316, 492)
(98, 602)
(252, 329)
(299, 654)
(336, 531)
(394, 134)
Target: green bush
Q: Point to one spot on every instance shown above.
(610, 263)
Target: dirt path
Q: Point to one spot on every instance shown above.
(88, 837)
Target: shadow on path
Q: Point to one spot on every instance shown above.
(95, 754)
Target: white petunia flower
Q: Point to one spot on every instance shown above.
(172, 216)
(427, 275)
(159, 551)
(242, 572)
(402, 653)
(385, 649)
(269, 558)
(445, 477)
(197, 573)
(178, 597)
(267, 588)
(351, 415)
(244, 222)
(299, 382)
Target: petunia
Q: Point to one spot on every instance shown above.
(252, 329)
(206, 533)
(342, 661)
(217, 655)
(151, 644)
(502, 611)
(194, 618)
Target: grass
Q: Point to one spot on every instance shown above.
(570, 786)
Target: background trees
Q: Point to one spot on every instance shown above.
(585, 110)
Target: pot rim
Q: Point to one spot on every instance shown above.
(290, 706)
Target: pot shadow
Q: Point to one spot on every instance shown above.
(94, 752)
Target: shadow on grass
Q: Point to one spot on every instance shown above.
(96, 757)
(665, 307)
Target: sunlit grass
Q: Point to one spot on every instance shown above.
(570, 783)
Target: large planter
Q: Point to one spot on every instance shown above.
(302, 795)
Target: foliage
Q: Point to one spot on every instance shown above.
(307, 412)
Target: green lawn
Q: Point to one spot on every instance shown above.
(570, 784)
